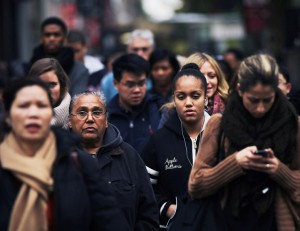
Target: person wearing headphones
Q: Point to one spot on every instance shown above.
(171, 151)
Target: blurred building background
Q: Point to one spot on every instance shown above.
(184, 26)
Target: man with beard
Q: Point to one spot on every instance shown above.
(134, 112)
(53, 37)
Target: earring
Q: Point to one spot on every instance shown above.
(205, 102)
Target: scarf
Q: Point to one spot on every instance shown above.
(61, 113)
(215, 105)
(29, 210)
(276, 130)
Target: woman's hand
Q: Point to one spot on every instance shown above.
(243, 156)
(248, 160)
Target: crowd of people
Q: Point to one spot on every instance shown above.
(147, 140)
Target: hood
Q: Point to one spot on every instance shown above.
(112, 138)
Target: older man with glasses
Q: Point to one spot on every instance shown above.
(141, 42)
(134, 112)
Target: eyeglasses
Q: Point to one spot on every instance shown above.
(131, 84)
(83, 115)
(49, 34)
(143, 49)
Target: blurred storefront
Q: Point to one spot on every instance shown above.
(252, 25)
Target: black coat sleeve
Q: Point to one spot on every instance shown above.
(149, 156)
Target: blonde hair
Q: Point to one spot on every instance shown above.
(201, 58)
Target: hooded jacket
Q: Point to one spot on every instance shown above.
(138, 125)
(124, 171)
(169, 157)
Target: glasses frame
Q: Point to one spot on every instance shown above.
(79, 117)
(133, 85)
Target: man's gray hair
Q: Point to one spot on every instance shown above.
(75, 98)
(142, 33)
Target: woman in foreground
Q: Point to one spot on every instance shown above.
(45, 183)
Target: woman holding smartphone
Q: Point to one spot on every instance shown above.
(258, 191)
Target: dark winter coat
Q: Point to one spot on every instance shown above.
(124, 171)
(81, 200)
(136, 126)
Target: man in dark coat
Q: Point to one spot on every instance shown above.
(134, 112)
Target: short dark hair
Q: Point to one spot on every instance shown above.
(14, 86)
(132, 63)
(238, 54)
(76, 36)
(162, 54)
(56, 21)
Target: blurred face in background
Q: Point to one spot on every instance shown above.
(52, 38)
(211, 79)
(79, 49)
(30, 114)
(162, 73)
(141, 47)
(233, 62)
(51, 79)
(132, 89)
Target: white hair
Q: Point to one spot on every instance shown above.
(75, 98)
(142, 33)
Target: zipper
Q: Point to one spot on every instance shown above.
(131, 125)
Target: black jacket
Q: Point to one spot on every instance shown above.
(138, 125)
(125, 172)
(81, 200)
(168, 157)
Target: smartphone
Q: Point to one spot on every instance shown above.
(261, 152)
